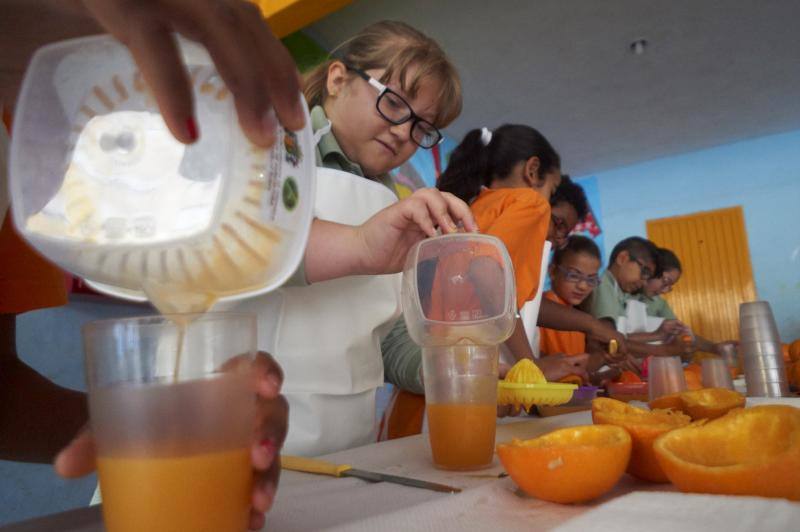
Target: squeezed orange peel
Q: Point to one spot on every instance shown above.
(748, 451)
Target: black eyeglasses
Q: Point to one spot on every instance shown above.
(571, 276)
(645, 272)
(395, 110)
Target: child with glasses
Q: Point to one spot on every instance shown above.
(384, 93)
(615, 300)
(568, 206)
(668, 273)
(573, 274)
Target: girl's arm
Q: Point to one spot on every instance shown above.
(380, 244)
(518, 342)
(564, 318)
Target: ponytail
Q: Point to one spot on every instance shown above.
(482, 158)
(468, 169)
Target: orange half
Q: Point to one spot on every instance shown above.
(705, 403)
(574, 464)
(644, 426)
(752, 451)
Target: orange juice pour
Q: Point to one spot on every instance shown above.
(175, 456)
(461, 435)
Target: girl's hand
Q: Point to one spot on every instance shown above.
(556, 367)
(380, 244)
(254, 64)
(669, 329)
(600, 337)
(387, 237)
(271, 421)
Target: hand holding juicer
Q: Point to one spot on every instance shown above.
(100, 186)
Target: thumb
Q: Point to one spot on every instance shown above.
(78, 458)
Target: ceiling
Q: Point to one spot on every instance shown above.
(714, 71)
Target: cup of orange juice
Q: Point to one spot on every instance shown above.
(172, 410)
(461, 404)
(459, 305)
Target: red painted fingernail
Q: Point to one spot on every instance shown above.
(191, 127)
(268, 444)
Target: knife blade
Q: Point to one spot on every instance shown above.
(322, 467)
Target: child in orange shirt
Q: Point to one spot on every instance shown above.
(573, 274)
(508, 176)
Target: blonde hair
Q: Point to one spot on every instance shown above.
(395, 47)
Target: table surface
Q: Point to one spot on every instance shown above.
(312, 502)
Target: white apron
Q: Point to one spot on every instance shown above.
(636, 319)
(327, 336)
(529, 313)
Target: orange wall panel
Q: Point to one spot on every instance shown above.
(717, 274)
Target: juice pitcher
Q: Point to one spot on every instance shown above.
(459, 305)
(100, 186)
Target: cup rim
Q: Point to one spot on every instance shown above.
(162, 319)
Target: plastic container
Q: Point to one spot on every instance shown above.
(173, 432)
(461, 404)
(100, 186)
(459, 302)
(583, 396)
(581, 400)
(459, 289)
(716, 374)
(665, 376)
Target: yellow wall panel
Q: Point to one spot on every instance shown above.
(288, 16)
(717, 274)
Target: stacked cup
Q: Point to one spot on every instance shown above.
(760, 348)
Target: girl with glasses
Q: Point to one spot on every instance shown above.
(384, 94)
(573, 276)
(668, 272)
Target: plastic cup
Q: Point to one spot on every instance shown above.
(753, 331)
(461, 404)
(173, 432)
(757, 323)
(666, 376)
(715, 374)
(761, 388)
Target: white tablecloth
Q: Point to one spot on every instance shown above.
(310, 502)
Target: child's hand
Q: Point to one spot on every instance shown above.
(387, 237)
(556, 367)
(380, 244)
(600, 336)
(272, 414)
(254, 64)
(669, 329)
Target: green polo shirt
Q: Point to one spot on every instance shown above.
(657, 306)
(607, 300)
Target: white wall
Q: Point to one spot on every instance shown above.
(762, 175)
